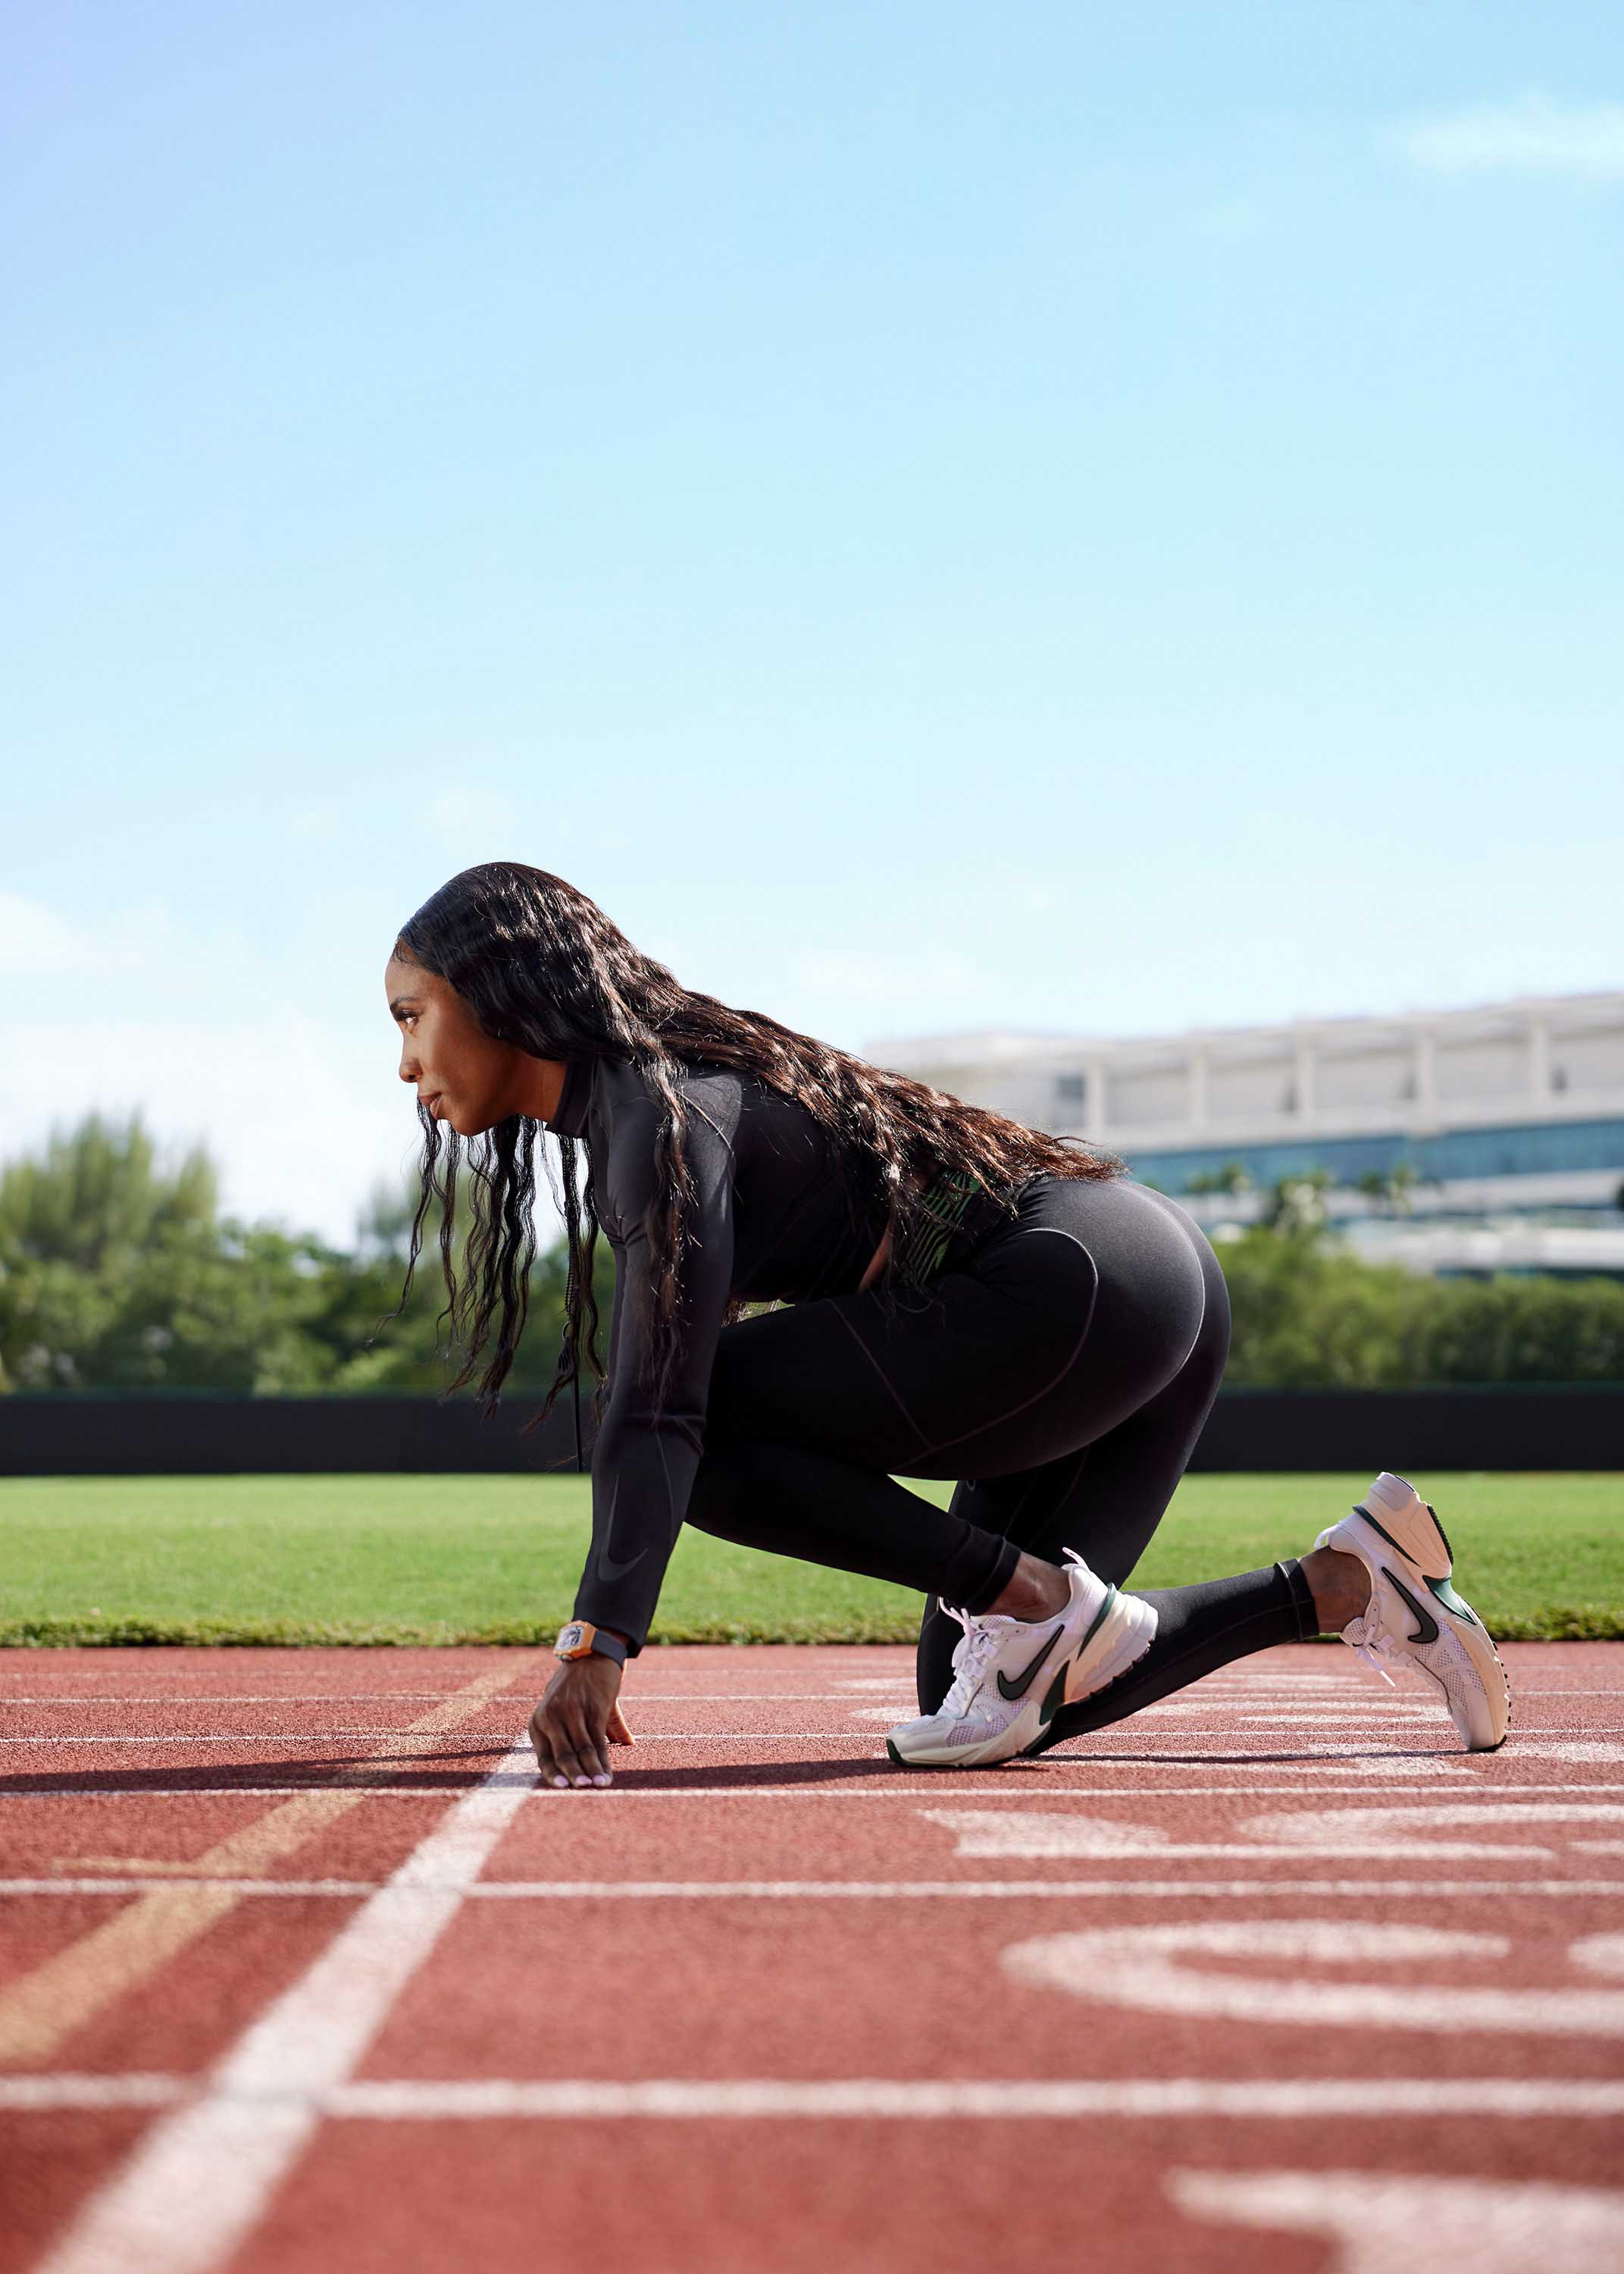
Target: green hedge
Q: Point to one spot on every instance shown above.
(1306, 1314)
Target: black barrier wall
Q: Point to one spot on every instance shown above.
(1505, 1427)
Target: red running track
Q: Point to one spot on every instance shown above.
(302, 1971)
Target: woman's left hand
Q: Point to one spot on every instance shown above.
(576, 1721)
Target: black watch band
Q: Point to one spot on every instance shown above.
(580, 1638)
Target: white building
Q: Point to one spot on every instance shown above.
(1509, 1117)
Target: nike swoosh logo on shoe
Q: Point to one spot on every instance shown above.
(1019, 1688)
(1427, 1625)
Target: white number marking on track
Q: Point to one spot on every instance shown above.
(1299, 1831)
(1599, 1954)
(1375, 2217)
(1317, 1829)
(1149, 1968)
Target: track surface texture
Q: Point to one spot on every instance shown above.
(302, 1972)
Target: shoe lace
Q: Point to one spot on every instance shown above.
(1371, 1642)
(971, 1654)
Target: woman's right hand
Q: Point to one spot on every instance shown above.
(578, 1716)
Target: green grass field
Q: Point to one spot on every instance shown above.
(418, 1559)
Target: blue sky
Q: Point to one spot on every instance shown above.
(1077, 518)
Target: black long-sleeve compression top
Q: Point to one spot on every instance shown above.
(774, 1219)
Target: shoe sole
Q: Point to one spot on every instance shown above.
(1468, 1630)
(987, 1754)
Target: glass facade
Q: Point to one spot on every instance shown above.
(1513, 1149)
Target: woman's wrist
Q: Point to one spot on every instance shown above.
(580, 1638)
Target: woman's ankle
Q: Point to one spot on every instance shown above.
(1036, 1591)
(1341, 1585)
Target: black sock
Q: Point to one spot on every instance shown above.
(1197, 1630)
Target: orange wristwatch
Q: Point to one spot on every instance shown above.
(581, 1639)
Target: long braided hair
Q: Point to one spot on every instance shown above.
(542, 967)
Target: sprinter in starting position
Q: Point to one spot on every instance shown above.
(960, 1297)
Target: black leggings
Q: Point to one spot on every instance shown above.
(1062, 1377)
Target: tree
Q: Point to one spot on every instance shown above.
(117, 1272)
(99, 1195)
(1391, 1188)
(1232, 1178)
(372, 1350)
(1297, 1203)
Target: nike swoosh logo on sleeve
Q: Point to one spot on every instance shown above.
(610, 1567)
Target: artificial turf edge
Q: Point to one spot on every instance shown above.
(1560, 1623)
(425, 1562)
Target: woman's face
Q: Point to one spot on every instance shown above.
(458, 1071)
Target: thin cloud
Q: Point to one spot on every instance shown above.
(290, 1080)
(36, 942)
(1533, 135)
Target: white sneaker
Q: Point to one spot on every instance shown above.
(1012, 1677)
(1415, 1622)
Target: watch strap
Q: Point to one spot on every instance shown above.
(580, 1638)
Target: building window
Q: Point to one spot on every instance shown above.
(1511, 1150)
(1070, 1088)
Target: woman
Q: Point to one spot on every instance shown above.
(966, 1298)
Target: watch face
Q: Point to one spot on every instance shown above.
(569, 1637)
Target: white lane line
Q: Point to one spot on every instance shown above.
(1086, 2097)
(111, 1744)
(1534, 1692)
(251, 1736)
(1314, 2098)
(134, 2091)
(152, 1883)
(1386, 1721)
(1033, 1784)
(1539, 1749)
(1534, 1748)
(1249, 1708)
(1213, 1694)
(596, 1891)
(222, 2155)
(936, 1890)
(172, 1703)
(1271, 1714)
(1570, 1748)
